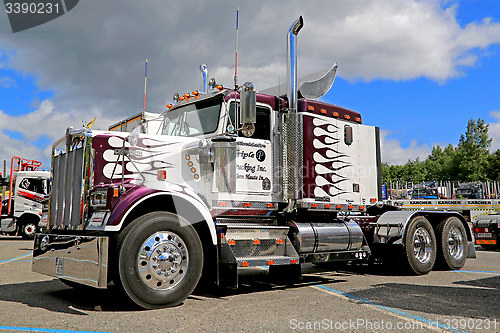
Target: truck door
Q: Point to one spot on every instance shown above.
(254, 161)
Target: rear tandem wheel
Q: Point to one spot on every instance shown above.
(420, 246)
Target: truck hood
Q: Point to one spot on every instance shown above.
(115, 157)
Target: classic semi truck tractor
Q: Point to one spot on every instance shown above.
(232, 179)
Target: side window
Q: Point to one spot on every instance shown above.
(262, 126)
(33, 184)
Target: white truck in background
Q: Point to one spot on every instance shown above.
(22, 208)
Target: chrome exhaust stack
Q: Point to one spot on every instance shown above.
(292, 125)
(204, 77)
(292, 91)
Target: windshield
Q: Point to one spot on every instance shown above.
(193, 119)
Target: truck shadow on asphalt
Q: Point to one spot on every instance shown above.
(478, 298)
(55, 296)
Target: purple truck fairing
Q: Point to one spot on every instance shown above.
(126, 201)
(107, 149)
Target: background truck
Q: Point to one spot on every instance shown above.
(22, 207)
(234, 179)
(487, 231)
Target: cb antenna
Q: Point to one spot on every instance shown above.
(236, 52)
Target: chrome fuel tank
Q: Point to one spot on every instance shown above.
(313, 237)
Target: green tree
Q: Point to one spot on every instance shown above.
(493, 169)
(473, 151)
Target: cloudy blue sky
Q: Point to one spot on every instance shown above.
(417, 69)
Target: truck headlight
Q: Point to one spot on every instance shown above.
(99, 198)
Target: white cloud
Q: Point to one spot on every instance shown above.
(494, 131)
(393, 153)
(43, 122)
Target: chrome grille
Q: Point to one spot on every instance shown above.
(67, 189)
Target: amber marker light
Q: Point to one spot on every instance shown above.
(335, 114)
(347, 116)
(162, 175)
(219, 87)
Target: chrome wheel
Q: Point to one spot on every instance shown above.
(422, 245)
(162, 261)
(455, 243)
(452, 244)
(28, 230)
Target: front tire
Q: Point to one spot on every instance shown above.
(160, 260)
(420, 246)
(28, 230)
(451, 244)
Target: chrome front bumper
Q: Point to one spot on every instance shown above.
(81, 259)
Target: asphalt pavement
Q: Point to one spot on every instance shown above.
(352, 298)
